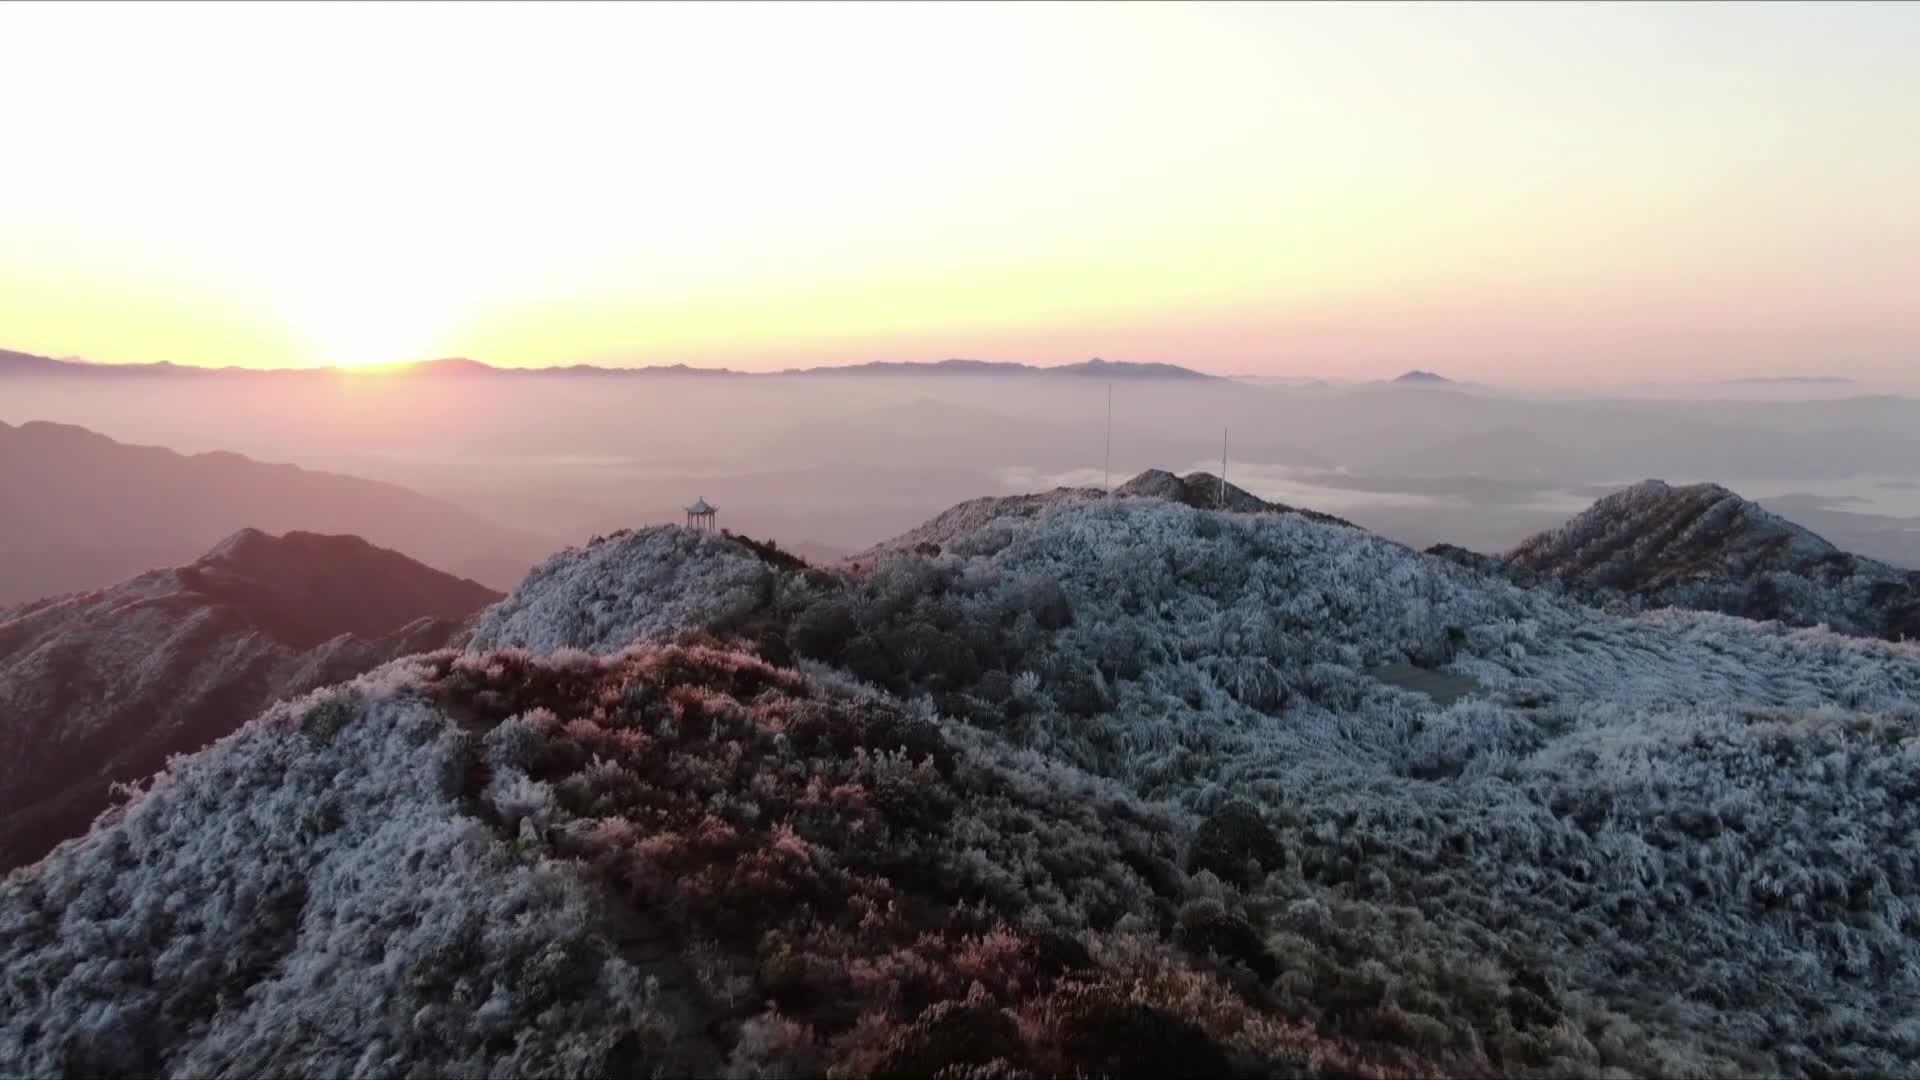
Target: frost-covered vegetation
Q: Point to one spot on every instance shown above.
(306, 899)
(676, 861)
(1690, 826)
(1705, 548)
(625, 588)
(1105, 784)
(1200, 490)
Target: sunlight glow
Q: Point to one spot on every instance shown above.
(1236, 187)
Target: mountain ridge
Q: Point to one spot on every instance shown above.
(98, 687)
(1123, 785)
(1199, 490)
(86, 510)
(17, 363)
(1703, 547)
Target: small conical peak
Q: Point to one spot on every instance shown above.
(251, 547)
(239, 546)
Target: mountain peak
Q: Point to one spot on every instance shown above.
(1703, 546)
(242, 546)
(1653, 534)
(303, 588)
(100, 687)
(450, 365)
(1127, 369)
(1418, 377)
(249, 545)
(1203, 491)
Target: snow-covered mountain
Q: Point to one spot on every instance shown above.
(98, 688)
(1205, 491)
(1200, 490)
(1057, 782)
(1701, 546)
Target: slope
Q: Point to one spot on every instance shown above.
(661, 862)
(1667, 842)
(1200, 490)
(1702, 546)
(1106, 784)
(99, 688)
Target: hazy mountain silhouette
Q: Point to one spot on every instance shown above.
(84, 511)
(938, 435)
(18, 363)
(99, 687)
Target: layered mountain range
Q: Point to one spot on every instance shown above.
(28, 364)
(1128, 786)
(84, 511)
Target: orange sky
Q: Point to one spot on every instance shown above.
(1531, 193)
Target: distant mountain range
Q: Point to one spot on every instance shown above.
(18, 363)
(1423, 378)
(83, 511)
(99, 688)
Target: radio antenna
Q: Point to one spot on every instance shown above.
(1223, 468)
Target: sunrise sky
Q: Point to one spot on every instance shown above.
(1546, 194)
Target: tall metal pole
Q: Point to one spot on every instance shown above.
(1106, 466)
(1223, 468)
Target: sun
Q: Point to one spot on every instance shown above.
(364, 321)
(368, 339)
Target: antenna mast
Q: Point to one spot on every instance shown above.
(1106, 466)
(1223, 468)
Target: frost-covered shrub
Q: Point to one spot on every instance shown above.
(1235, 844)
(628, 588)
(822, 630)
(307, 900)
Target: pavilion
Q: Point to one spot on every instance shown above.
(700, 515)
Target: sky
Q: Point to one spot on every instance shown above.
(1551, 194)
